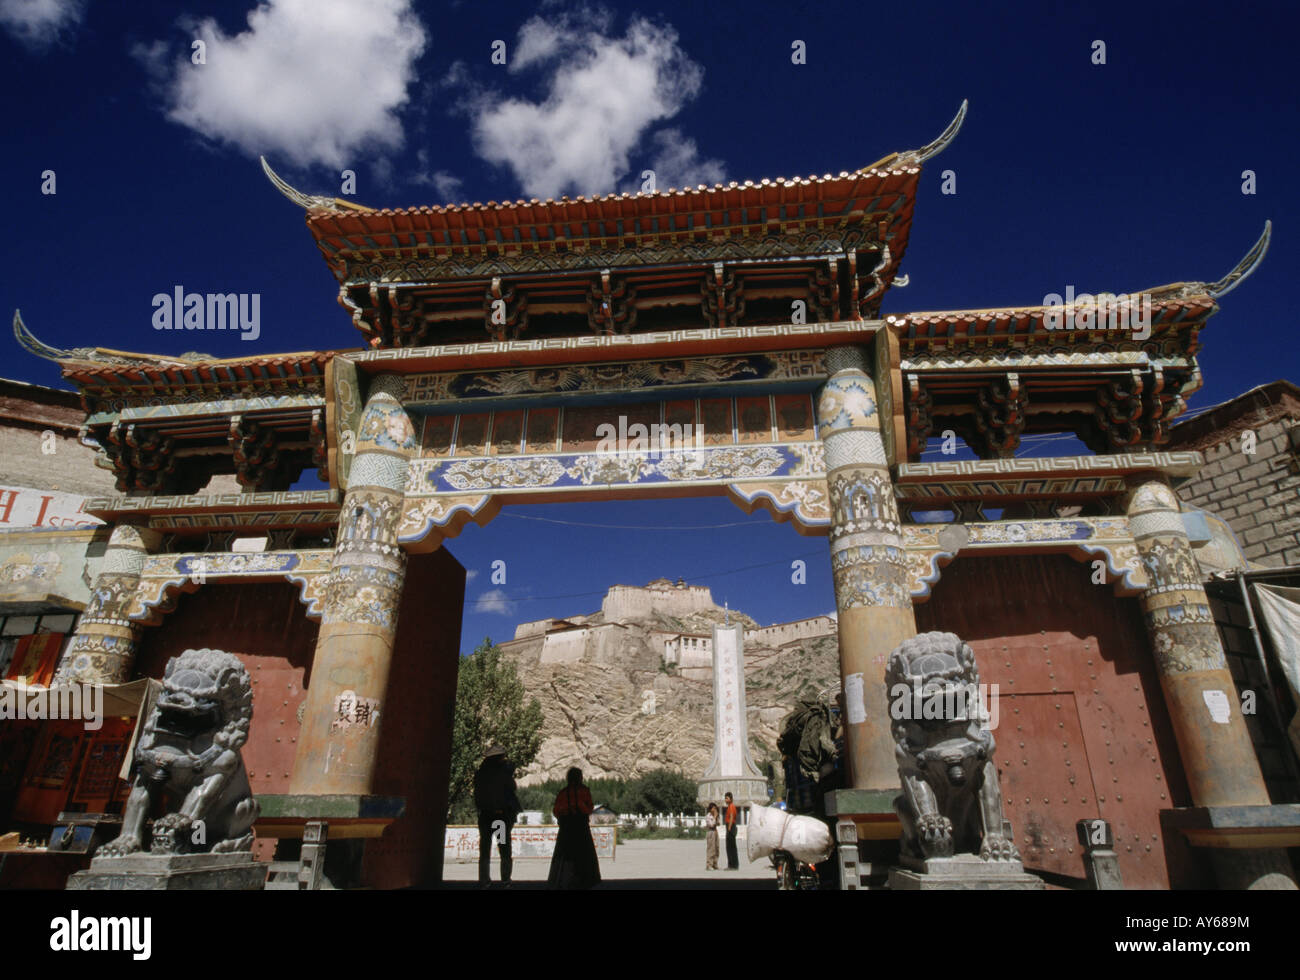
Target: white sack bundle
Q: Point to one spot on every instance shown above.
(770, 829)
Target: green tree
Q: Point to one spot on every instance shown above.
(490, 709)
(662, 791)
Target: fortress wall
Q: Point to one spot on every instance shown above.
(634, 602)
(564, 648)
(535, 628)
(789, 632)
(689, 651)
(604, 643)
(527, 649)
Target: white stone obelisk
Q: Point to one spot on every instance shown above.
(731, 769)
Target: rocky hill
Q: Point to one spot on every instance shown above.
(618, 711)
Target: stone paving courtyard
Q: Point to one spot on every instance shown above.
(638, 864)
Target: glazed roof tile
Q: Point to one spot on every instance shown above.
(1190, 307)
(830, 199)
(144, 369)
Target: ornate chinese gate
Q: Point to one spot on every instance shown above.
(507, 341)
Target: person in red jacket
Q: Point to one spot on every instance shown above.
(732, 817)
(574, 864)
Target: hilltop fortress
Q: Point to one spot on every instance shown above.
(678, 618)
(629, 689)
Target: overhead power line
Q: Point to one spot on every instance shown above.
(699, 577)
(640, 527)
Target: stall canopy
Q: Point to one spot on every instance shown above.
(118, 700)
(134, 699)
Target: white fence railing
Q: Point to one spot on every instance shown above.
(641, 821)
(461, 843)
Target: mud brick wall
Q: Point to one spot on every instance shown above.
(29, 411)
(1259, 494)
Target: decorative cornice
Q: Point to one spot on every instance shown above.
(1172, 464)
(710, 465)
(669, 377)
(932, 546)
(364, 268)
(209, 506)
(660, 343)
(164, 576)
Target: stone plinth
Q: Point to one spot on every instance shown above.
(743, 791)
(172, 872)
(965, 872)
(731, 769)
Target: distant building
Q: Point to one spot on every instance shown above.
(574, 638)
(624, 602)
(695, 650)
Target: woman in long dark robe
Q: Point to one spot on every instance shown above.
(574, 864)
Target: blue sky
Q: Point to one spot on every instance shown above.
(1113, 177)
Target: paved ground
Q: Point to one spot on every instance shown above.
(638, 864)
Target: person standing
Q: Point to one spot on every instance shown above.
(711, 838)
(498, 807)
(732, 816)
(574, 864)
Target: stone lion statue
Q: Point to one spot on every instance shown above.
(951, 803)
(187, 762)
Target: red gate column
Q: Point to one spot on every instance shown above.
(868, 563)
(1213, 741)
(103, 648)
(349, 674)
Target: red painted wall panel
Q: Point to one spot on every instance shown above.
(265, 625)
(1083, 730)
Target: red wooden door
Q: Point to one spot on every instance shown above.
(1082, 729)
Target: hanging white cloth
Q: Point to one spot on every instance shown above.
(1281, 609)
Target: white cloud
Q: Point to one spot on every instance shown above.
(447, 186)
(676, 162)
(494, 601)
(381, 169)
(470, 575)
(604, 94)
(537, 42)
(316, 81)
(38, 23)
